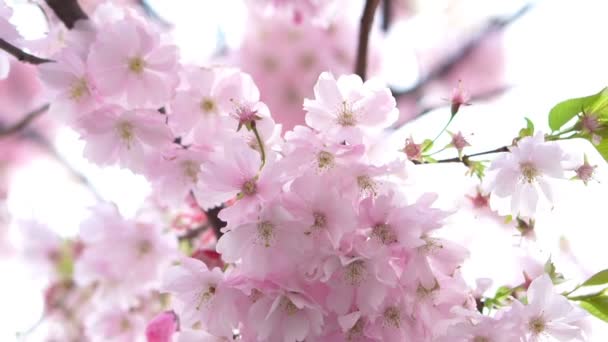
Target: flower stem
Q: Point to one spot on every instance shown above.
(260, 143)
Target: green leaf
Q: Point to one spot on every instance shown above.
(528, 131)
(600, 278)
(551, 270)
(602, 148)
(564, 111)
(597, 306)
(426, 145)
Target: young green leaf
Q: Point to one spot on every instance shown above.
(528, 131)
(600, 278)
(564, 111)
(597, 306)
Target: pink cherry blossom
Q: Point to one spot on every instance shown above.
(117, 325)
(127, 137)
(525, 170)
(127, 58)
(548, 314)
(73, 87)
(345, 108)
(205, 298)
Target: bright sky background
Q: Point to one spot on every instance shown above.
(556, 51)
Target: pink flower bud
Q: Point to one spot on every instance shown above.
(459, 98)
(585, 172)
(161, 327)
(459, 142)
(412, 150)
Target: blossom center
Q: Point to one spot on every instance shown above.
(79, 89)
(366, 184)
(205, 296)
(355, 272)
(249, 188)
(537, 325)
(208, 105)
(137, 65)
(384, 233)
(125, 131)
(191, 170)
(529, 173)
(392, 316)
(356, 331)
(481, 339)
(346, 115)
(325, 160)
(266, 232)
(289, 307)
(144, 247)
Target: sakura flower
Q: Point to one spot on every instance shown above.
(210, 96)
(177, 172)
(9, 33)
(271, 244)
(548, 314)
(481, 328)
(128, 137)
(524, 170)
(298, 10)
(128, 59)
(392, 322)
(73, 87)
(116, 325)
(285, 316)
(459, 97)
(347, 108)
(412, 150)
(586, 171)
(232, 173)
(205, 299)
(459, 142)
(326, 216)
(139, 252)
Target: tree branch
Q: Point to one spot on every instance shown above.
(465, 51)
(367, 19)
(21, 55)
(68, 11)
(214, 221)
(23, 123)
(465, 158)
(387, 14)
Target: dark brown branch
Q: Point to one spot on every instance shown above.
(193, 233)
(23, 123)
(21, 55)
(465, 158)
(449, 63)
(387, 14)
(367, 19)
(68, 11)
(214, 221)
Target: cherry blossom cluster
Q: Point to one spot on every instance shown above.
(324, 238)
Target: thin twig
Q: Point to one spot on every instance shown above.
(483, 96)
(367, 19)
(21, 55)
(465, 158)
(23, 123)
(68, 11)
(453, 60)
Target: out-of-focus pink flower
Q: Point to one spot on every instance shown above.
(115, 324)
(459, 142)
(162, 327)
(522, 171)
(298, 10)
(345, 108)
(128, 60)
(128, 137)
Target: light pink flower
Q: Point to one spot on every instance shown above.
(548, 314)
(128, 59)
(273, 243)
(285, 316)
(525, 170)
(70, 84)
(346, 108)
(205, 299)
(116, 325)
(127, 137)
(321, 210)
